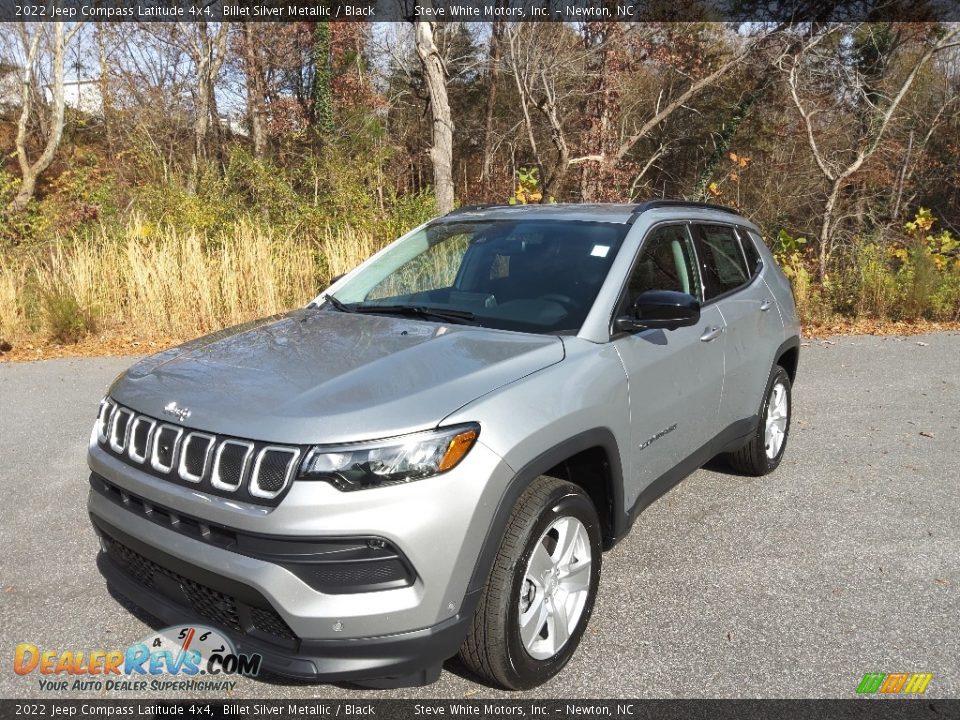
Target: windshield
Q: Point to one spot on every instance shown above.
(529, 275)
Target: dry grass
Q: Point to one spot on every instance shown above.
(344, 248)
(12, 311)
(155, 287)
(155, 284)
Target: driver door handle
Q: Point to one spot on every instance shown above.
(766, 305)
(711, 334)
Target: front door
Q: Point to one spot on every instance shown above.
(675, 377)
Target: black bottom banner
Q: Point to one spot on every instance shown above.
(854, 709)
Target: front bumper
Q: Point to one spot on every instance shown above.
(404, 659)
(437, 526)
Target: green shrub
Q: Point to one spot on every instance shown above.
(945, 302)
(873, 286)
(68, 321)
(919, 281)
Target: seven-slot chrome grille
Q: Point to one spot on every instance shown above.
(232, 467)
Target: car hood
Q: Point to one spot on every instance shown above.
(317, 376)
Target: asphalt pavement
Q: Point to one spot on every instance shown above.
(844, 561)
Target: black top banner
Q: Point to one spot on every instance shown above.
(757, 11)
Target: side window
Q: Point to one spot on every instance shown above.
(721, 259)
(665, 263)
(750, 251)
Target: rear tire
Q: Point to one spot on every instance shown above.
(540, 593)
(765, 450)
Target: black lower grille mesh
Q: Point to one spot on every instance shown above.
(137, 565)
(358, 574)
(212, 604)
(270, 623)
(207, 602)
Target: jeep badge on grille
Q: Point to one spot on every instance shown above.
(180, 413)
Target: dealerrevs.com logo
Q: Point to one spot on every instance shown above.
(183, 658)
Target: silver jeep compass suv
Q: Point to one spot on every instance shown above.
(432, 456)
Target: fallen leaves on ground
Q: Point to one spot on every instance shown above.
(876, 327)
(100, 346)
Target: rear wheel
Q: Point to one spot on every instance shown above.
(541, 589)
(765, 450)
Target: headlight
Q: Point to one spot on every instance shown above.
(358, 466)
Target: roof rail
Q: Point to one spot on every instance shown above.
(472, 208)
(654, 204)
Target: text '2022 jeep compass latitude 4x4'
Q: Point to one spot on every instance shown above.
(432, 456)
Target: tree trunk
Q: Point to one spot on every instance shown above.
(217, 129)
(106, 97)
(256, 91)
(30, 172)
(209, 56)
(441, 152)
(201, 123)
(827, 227)
(493, 75)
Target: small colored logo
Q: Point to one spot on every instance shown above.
(184, 652)
(894, 683)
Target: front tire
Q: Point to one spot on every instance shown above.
(540, 593)
(765, 450)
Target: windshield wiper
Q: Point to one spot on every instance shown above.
(463, 317)
(338, 304)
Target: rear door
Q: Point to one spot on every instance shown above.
(674, 376)
(731, 267)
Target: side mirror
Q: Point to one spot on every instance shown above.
(665, 309)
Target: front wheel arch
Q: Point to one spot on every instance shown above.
(610, 507)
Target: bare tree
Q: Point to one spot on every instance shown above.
(208, 52)
(877, 109)
(256, 89)
(493, 78)
(32, 96)
(547, 68)
(555, 74)
(441, 150)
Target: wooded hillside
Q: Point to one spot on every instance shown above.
(243, 164)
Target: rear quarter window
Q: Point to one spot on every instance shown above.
(750, 251)
(723, 264)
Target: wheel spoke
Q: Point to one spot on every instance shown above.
(567, 540)
(577, 579)
(540, 563)
(531, 622)
(559, 628)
